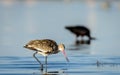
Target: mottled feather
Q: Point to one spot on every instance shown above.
(45, 45)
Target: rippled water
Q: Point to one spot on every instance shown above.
(79, 64)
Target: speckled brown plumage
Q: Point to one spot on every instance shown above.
(46, 46)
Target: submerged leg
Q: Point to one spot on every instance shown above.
(46, 63)
(38, 60)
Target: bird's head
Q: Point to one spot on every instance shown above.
(61, 47)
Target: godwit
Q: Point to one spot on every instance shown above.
(45, 47)
(80, 31)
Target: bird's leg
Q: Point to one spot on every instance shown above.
(76, 39)
(38, 60)
(46, 63)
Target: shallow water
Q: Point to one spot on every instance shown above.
(79, 64)
(22, 21)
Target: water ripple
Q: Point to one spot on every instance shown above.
(86, 64)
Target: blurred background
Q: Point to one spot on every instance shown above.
(25, 20)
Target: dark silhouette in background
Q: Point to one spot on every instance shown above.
(80, 31)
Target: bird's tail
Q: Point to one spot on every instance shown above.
(92, 38)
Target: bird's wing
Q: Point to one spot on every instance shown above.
(44, 45)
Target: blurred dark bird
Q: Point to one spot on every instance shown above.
(45, 47)
(80, 31)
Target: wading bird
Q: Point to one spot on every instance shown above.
(45, 47)
(80, 31)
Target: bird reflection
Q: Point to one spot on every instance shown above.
(79, 42)
(54, 73)
(82, 45)
(60, 72)
(50, 74)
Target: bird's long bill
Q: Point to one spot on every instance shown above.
(65, 55)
